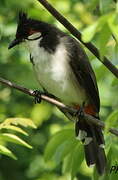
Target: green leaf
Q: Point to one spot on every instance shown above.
(14, 139)
(25, 122)
(89, 32)
(92, 6)
(7, 152)
(113, 175)
(14, 128)
(73, 160)
(115, 82)
(115, 55)
(113, 24)
(95, 175)
(112, 119)
(64, 149)
(56, 141)
(105, 6)
(67, 163)
(104, 19)
(112, 160)
(77, 158)
(103, 37)
(113, 154)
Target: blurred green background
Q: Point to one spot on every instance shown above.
(15, 66)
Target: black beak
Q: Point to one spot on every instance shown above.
(14, 43)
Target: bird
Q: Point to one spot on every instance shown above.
(63, 70)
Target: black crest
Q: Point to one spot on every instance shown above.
(26, 26)
(22, 16)
(23, 25)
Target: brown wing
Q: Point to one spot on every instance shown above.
(83, 71)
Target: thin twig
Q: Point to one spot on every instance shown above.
(78, 35)
(53, 101)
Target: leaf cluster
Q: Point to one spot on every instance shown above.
(11, 124)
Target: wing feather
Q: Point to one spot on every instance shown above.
(83, 71)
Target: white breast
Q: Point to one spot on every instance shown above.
(54, 74)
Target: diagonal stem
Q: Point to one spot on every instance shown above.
(78, 35)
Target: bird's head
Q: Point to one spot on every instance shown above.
(29, 29)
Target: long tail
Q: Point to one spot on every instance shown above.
(93, 141)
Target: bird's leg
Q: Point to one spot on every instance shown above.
(80, 113)
(79, 117)
(38, 94)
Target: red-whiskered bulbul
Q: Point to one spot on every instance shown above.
(63, 70)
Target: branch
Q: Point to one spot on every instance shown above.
(53, 101)
(78, 35)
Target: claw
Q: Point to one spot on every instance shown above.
(37, 95)
(80, 113)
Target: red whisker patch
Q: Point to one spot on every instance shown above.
(32, 31)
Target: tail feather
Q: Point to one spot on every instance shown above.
(99, 136)
(101, 161)
(93, 141)
(90, 154)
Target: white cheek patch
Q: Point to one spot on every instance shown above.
(34, 36)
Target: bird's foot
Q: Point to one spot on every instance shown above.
(37, 96)
(80, 113)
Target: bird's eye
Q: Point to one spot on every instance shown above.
(34, 36)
